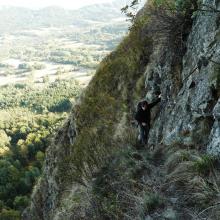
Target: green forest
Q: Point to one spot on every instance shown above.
(29, 115)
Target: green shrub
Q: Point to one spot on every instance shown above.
(182, 6)
(204, 164)
(9, 215)
(152, 201)
(21, 202)
(186, 5)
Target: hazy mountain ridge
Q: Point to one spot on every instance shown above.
(16, 18)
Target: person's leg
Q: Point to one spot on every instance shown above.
(146, 133)
(142, 134)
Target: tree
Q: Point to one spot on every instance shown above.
(4, 139)
(9, 215)
(63, 105)
(4, 143)
(130, 10)
(21, 202)
(1, 205)
(46, 79)
(9, 179)
(40, 156)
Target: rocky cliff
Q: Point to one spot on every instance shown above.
(95, 168)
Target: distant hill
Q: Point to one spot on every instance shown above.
(15, 18)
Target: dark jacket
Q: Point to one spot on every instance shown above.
(144, 116)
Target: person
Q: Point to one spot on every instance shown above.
(143, 117)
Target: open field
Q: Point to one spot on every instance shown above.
(47, 54)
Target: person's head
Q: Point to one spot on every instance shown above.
(144, 105)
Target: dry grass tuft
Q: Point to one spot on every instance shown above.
(193, 179)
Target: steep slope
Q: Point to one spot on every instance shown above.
(95, 168)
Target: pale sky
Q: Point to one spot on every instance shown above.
(71, 4)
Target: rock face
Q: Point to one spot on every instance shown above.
(46, 192)
(189, 113)
(191, 117)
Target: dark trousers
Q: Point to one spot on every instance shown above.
(144, 131)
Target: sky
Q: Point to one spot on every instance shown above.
(71, 4)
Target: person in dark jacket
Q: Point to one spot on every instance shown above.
(143, 117)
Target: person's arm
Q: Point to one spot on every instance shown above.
(151, 105)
